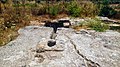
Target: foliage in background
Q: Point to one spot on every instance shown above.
(89, 9)
(53, 10)
(11, 19)
(106, 10)
(97, 25)
(42, 9)
(74, 9)
(94, 24)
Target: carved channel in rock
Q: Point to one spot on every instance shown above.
(60, 23)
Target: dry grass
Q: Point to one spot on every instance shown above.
(7, 36)
(78, 28)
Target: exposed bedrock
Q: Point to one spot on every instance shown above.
(40, 47)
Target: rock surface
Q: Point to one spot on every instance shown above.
(69, 49)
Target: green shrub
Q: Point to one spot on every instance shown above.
(107, 11)
(53, 10)
(74, 9)
(97, 25)
(94, 24)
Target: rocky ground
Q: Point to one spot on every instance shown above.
(40, 47)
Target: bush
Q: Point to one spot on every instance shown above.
(53, 10)
(97, 25)
(74, 9)
(107, 11)
(89, 9)
(94, 24)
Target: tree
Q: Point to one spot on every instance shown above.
(107, 11)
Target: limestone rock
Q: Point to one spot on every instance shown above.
(100, 48)
(19, 53)
(35, 48)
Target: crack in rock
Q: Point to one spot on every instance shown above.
(90, 63)
(46, 50)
